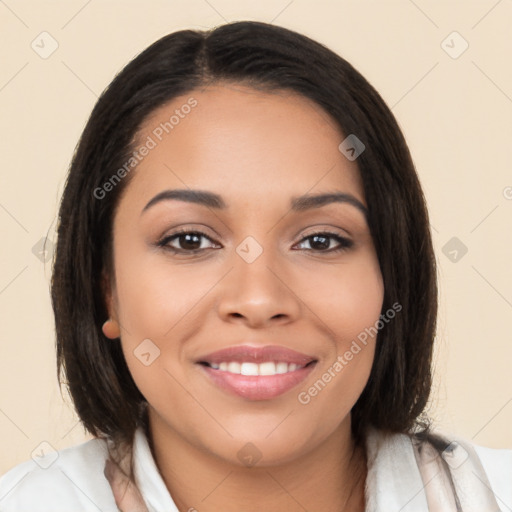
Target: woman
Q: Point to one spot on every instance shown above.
(245, 295)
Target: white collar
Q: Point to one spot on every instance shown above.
(148, 478)
(394, 480)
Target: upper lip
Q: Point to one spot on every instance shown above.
(253, 354)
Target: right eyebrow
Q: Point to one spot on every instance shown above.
(201, 197)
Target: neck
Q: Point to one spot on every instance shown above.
(329, 478)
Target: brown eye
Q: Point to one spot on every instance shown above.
(321, 242)
(187, 241)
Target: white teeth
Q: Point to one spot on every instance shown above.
(234, 367)
(247, 368)
(281, 367)
(267, 368)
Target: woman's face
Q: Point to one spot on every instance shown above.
(236, 267)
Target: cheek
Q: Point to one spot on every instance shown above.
(350, 306)
(336, 388)
(349, 297)
(160, 307)
(156, 295)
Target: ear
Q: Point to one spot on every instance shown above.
(111, 327)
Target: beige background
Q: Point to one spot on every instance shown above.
(456, 114)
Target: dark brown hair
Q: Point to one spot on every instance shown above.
(271, 58)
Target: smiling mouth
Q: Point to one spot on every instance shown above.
(256, 381)
(256, 372)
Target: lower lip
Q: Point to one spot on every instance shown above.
(258, 387)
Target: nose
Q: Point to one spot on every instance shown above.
(257, 294)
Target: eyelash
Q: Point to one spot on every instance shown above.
(344, 243)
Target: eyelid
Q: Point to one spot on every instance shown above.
(326, 229)
(199, 228)
(164, 240)
(344, 242)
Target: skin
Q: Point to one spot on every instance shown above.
(257, 150)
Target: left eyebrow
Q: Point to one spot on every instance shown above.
(307, 202)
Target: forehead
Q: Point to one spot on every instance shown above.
(237, 140)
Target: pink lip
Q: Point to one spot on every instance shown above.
(257, 387)
(248, 353)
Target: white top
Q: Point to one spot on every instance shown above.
(72, 480)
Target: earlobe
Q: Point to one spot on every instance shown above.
(111, 329)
